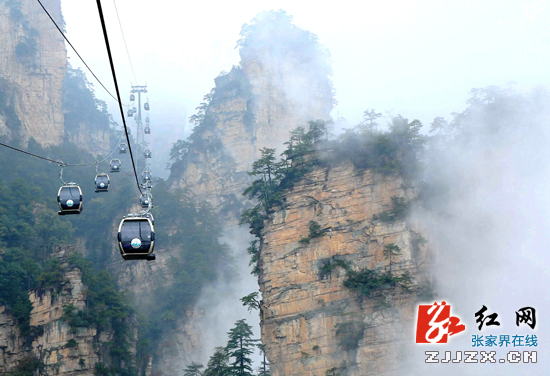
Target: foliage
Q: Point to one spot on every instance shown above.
(240, 348)
(193, 231)
(218, 365)
(71, 343)
(329, 265)
(349, 334)
(367, 281)
(334, 371)
(399, 211)
(7, 108)
(390, 152)
(254, 253)
(194, 369)
(315, 231)
(27, 47)
(276, 177)
(27, 366)
(251, 301)
(263, 369)
(81, 105)
(390, 250)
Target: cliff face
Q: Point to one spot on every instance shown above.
(33, 61)
(60, 350)
(88, 137)
(253, 107)
(310, 325)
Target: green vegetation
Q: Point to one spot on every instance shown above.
(315, 231)
(334, 371)
(71, 343)
(366, 281)
(394, 151)
(235, 358)
(329, 265)
(398, 212)
(80, 103)
(194, 369)
(349, 334)
(7, 108)
(263, 369)
(240, 347)
(31, 230)
(276, 177)
(26, 48)
(27, 366)
(251, 302)
(391, 250)
(218, 365)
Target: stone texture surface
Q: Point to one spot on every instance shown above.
(219, 176)
(247, 121)
(88, 137)
(37, 79)
(52, 333)
(300, 311)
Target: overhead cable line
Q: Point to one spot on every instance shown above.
(76, 52)
(125, 45)
(61, 163)
(100, 10)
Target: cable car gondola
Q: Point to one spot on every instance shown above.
(147, 153)
(145, 200)
(147, 130)
(135, 110)
(130, 113)
(136, 238)
(146, 106)
(102, 182)
(146, 176)
(147, 120)
(132, 97)
(122, 148)
(115, 165)
(69, 199)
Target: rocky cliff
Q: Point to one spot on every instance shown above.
(53, 345)
(312, 324)
(33, 61)
(252, 107)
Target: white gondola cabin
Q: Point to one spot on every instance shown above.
(102, 183)
(69, 199)
(136, 238)
(115, 165)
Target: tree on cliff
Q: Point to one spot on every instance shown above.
(390, 250)
(218, 364)
(240, 347)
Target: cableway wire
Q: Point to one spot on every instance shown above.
(61, 163)
(76, 52)
(125, 45)
(100, 10)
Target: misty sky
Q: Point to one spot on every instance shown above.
(417, 58)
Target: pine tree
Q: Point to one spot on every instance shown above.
(194, 369)
(240, 348)
(263, 370)
(391, 250)
(218, 364)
